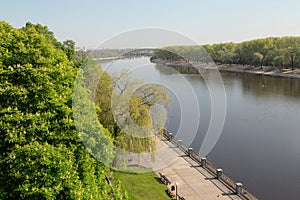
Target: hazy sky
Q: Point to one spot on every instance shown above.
(91, 22)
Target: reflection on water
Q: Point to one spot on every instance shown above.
(257, 85)
(260, 141)
(266, 86)
(183, 70)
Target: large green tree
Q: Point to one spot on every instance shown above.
(41, 153)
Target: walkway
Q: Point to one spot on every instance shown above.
(194, 182)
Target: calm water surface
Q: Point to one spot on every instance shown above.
(260, 142)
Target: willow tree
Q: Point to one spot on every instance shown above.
(116, 93)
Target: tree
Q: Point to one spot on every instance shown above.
(258, 59)
(69, 49)
(123, 101)
(266, 51)
(44, 30)
(41, 153)
(291, 54)
(103, 101)
(279, 61)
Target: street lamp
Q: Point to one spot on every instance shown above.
(176, 188)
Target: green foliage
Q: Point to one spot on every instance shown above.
(68, 46)
(182, 53)
(167, 54)
(43, 30)
(105, 53)
(113, 94)
(273, 51)
(69, 49)
(96, 139)
(80, 57)
(103, 100)
(41, 154)
(258, 58)
(43, 171)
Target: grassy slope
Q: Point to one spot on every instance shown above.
(143, 186)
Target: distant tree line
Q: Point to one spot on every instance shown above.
(282, 52)
(104, 53)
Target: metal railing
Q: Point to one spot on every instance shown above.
(180, 197)
(209, 166)
(231, 183)
(243, 193)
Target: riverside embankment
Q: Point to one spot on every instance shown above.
(262, 70)
(196, 178)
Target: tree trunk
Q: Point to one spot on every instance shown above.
(292, 62)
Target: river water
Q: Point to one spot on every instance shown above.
(260, 141)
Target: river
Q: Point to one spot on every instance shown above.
(260, 141)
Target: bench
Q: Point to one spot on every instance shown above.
(164, 179)
(171, 189)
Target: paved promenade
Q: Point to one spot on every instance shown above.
(194, 182)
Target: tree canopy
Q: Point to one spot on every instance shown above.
(272, 51)
(124, 105)
(41, 153)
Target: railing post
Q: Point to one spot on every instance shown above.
(203, 162)
(190, 150)
(239, 187)
(179, 143)
(170, 136)
(219, 173)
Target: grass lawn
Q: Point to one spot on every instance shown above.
(143, 186)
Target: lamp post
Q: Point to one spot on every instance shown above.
(176, 188)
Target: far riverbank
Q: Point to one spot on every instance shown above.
(264, 70)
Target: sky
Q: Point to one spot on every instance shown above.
(91, 22)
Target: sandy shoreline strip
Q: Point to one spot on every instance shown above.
(265, 70)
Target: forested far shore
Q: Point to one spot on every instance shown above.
(280, 52)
